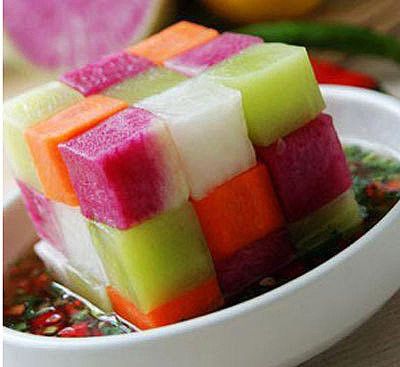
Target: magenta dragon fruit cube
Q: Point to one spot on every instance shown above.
(308, 168)
(195, 61)
(126, 170)
(109, 70)
(42, 214)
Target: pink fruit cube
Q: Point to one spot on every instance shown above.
(194, 61)
(126, 169)
(42, 214)
(308, 167)
(109, 70)
(255, 261)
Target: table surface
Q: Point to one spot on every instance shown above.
(377, 342)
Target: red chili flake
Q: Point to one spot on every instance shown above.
(96, 332)
(43, 320)
(54, 319)
(71, 309)
(293, 270)
(75, 331)
(23, 284)
(16, 310)
(41, 282)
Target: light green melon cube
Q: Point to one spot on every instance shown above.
(88, 288)
(279, 90)
(341, 216)
(149, 83)
(157, 260)
(25, 111)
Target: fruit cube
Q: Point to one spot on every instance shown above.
(207, 124)
(43, 140)
(88, 287)
(109, 70)
(131, 164)
(198, 301)
(173, 41)
(54, 260)
(146, 84)
(278, 88)
(57, 263)
(239, 212)
(25, 111)
(42, 214)
(308, 168)
(195, 61)
(157, 261)
(340, 217)
(253, 262)
(77, 243)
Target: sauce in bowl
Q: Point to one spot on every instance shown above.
(34, 303)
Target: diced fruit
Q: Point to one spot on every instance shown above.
(337, 219)
(160, 259)
(43, 140)
(254, 261)
(239, 212)
(109, 70)
(195, 61)
(55, 261)
(146, 84)
(78, 246)
(308, 168)
(89, 288)
(75, 32)
(196, 302)
(173, 41)
(25, 111)
(278, 88)
(207, 124)
(42, 214)
(131, 163)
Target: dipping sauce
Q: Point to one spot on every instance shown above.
(33, 303)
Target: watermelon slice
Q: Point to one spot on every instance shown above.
(54, 34)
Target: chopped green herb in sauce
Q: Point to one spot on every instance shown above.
(33, 303)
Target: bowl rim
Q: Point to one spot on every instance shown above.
(261, 301)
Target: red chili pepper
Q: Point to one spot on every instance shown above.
(75, 331)
(327, 72)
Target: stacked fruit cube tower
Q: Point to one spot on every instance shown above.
(170, 176)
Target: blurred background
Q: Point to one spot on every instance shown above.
(351, 42)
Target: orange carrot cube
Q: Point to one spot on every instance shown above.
(196, 302)
(173, 41)
(43, 140)
(239, 212)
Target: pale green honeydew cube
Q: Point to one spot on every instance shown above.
(157, 260)
(279, 90)
(341, 216)
(27, 110)
(143, 85)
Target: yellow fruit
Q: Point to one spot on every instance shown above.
(248, 11)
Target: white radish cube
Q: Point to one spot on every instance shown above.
(77, 242)
(207, 124)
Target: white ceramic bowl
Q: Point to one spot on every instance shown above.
(281, 328)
